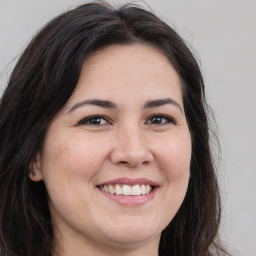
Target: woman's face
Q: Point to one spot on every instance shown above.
(116, 158)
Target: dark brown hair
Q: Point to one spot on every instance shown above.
(42, 82)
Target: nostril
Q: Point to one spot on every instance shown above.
(123, 162)
(133, 164)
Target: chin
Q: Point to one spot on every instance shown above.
(128, 241)
(134, 233)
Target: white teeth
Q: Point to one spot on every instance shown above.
(127, 190)
(147, 190)
(106, 189)
(111, 189)
(136, 190)
(143, 189)
(118, 190)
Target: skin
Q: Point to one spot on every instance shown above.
(126, 142)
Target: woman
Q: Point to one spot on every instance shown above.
(105, 141)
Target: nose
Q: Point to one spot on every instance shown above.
(130, 148)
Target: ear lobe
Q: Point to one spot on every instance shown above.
(35, 173)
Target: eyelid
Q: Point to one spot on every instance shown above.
(84, 120)
(170, 119)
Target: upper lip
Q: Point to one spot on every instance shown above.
(129, 181)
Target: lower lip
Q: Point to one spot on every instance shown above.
(131, 200)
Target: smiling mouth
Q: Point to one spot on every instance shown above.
(127, 190)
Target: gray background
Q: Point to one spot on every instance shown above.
(223, 36)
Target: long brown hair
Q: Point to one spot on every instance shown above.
(42, 82)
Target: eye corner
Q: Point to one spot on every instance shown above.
(94, 120)
(161, 119)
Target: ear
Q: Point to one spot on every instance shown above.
(35, 173)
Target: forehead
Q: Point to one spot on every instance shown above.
(121, 59)
(134, 70)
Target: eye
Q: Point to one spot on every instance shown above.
(159, 119)
(94, 120)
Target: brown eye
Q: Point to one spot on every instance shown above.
(94, 120)
(160, 120)
(157, 120)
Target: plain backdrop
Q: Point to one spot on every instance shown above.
(222, 34)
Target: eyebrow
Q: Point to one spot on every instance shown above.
(101, 103)
(161, 102)
(111, 105)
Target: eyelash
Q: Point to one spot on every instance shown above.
(168, 118)
(86, 121)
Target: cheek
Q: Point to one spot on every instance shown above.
(174, 160)
(175, 155)
(74, 156)
(68, 165)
